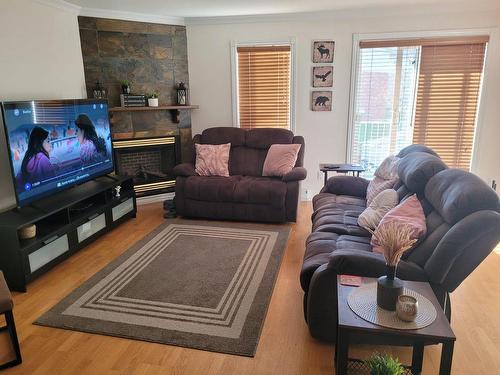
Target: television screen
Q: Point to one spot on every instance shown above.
(56, 144)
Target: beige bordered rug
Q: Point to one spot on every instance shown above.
(198, 284)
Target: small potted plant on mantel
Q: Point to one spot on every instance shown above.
(384, 365)
(153, 99)
(125, 87)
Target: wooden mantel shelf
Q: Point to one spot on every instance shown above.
(174, 109)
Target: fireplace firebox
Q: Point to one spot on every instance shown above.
(149, 161)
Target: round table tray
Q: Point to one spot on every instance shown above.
(363, 302)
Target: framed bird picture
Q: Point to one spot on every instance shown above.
(323, 51)
(323, 76)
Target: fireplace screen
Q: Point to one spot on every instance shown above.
(150, 161)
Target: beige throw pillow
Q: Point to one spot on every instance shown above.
(381, 204)
(386, 176)
(212, 160)
(280, 159)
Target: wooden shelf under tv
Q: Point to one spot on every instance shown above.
(174, 110)
(66, 221)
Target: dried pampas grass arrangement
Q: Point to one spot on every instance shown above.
(395, 238)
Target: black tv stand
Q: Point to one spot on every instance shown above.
(65, 222)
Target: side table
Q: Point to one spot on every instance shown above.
(351, 325)
(340, 168)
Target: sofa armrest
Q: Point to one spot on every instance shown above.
(346, 185)
(296, 174)
(184, 169)
(369, 264)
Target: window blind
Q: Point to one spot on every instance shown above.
(447, 100)
(264, 86)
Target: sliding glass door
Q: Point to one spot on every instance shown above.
(416, 91)
(384, 103)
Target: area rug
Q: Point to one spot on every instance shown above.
(198, 284)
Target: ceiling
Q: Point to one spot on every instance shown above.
(216, 8)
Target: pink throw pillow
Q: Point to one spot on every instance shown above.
(280, 159)
(409, 212)
(212, 160)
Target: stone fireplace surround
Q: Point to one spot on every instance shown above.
(152, 57)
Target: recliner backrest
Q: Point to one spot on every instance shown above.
(249, 147)
(450, 198)
(415, 170)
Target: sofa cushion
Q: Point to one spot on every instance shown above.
(212, 160)
(213, 188)
(340, 220)
(455, 193)
(320, 246)
(326, 201)
(416, 169)
(237, 189)
(260, 190)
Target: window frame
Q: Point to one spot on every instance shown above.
(414, 35)
(234, 75)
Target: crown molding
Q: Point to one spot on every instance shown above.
(113, 14)
(131, 16)
(60, 4)
(359, 13)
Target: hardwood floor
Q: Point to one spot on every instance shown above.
(285, 346)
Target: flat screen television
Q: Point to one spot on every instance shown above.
(56, 144)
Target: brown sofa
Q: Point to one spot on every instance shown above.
(245, 195)
(463, 226)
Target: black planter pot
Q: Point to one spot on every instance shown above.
(389, 288)
(125, 89)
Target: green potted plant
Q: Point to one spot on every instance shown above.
(125, 86)
(384, 365)
(153, 99)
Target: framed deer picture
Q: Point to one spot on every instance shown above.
(322, 76)
(321, 100)
(323, 51)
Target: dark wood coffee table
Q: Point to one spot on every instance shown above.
(352, 327)
(340, 168)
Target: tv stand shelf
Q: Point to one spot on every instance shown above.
(65, 222)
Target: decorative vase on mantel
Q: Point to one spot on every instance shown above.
(389, 288)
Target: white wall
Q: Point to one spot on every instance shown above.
(326, 132)
(40, 58)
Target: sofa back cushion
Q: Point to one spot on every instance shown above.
(416, 148)
(415, 170)
(450, 196)
(248, 147)
(455, 193)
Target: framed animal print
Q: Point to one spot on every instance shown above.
(323, 51)
(321, 101)
(323, 76)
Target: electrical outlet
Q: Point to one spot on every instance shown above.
(307, 194)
